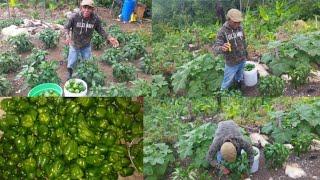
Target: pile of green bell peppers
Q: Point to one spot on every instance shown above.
(70, 138)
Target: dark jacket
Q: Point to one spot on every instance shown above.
(82, 29)
(229, 131)
(238, 43)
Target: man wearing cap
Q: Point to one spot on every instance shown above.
(227, 145)
(81, 25)
(232, 44)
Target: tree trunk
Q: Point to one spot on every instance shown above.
(8, 8)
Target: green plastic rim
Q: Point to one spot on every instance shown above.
(36, 91)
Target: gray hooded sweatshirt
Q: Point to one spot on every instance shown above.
(228, 131)
(238, 43)
(82, 29)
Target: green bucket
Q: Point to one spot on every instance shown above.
(36, 91)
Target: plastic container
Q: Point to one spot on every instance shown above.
(250, 77)
(38, 90)
(127, 9)
(70, 94)
(255, 165)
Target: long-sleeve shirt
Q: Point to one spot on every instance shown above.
(82, 29)
(238, 43)
(229, 131)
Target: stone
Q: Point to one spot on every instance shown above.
(285, 77)
(289, 146)
(294, 171)
(314, 76)
(257, 139)
(315, 145)
(13, 31)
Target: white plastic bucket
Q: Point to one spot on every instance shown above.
(70, 94)
(250, 77)
(255, 165)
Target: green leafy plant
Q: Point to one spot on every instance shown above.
(65, 52)
(159, 86)
(9, 61)
(124, 72)
(5, 86)
(156, 160)
(140, 87)
(45, 72)
(37, 56)
(238, 168)
(133, 50)
(300, 74)
(147, 64)
(97, 90)
(300, 119)
(301, 143)
(193, 76)
(49, 37)
(11, 21)
(88, 71)
(111, 56)
(21, 43)
(116, 32)
(118, 90)
(195, 144)
(249, 67)
(275, 155)
(271, 86)
(180, 174)
(97, 41)
(293, 57)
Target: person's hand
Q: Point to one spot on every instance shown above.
(225, 171)
(226, 47)
(67, 41)
(113, 41)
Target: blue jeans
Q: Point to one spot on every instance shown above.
(85, 53)
(219, 157)
(232, 73)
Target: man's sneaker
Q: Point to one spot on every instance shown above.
(70, 73)
(239, 85)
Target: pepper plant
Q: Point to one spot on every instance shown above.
(21, 43)
(111, 56)
(88, 71)
(97, 41)
(238, 168)
(124, 72)
(45, 72)
(147, 64)
(49, 37)
(301, 143)
(275, 154)
(5, 86)
(9, 61)
(271, 86)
